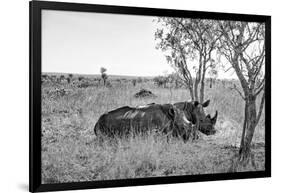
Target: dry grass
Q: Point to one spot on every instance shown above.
(71, 153)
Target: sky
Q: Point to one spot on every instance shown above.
(82, 43)
(76, 42)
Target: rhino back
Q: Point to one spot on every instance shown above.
(127, 119)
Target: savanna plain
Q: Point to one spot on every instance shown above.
(72, 153)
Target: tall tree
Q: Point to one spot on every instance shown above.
(242, 44)
(186, 40)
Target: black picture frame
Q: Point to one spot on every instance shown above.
(35, 8)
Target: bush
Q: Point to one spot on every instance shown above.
(80, 78)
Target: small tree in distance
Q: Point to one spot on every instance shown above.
(104, 76)
(134, 82)
(213, 73)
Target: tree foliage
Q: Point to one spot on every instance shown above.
(185, 41)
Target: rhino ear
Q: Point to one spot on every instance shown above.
(172, 113)
(196, 103)
(205, 104)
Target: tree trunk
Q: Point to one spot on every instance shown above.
(191, 93)
(250, 125)
(245, 156)
(244, 124)
(196, 98)
(202, 82)
(202, 90)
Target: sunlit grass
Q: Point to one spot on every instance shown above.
(71, 152)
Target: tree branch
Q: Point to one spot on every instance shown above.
(260, 109)
(188, 32)
(238, 91)
(259, 89)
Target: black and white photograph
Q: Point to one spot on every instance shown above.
(135, 96)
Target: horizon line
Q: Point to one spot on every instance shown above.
(120, 75)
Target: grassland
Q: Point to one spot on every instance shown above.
(71, 153)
